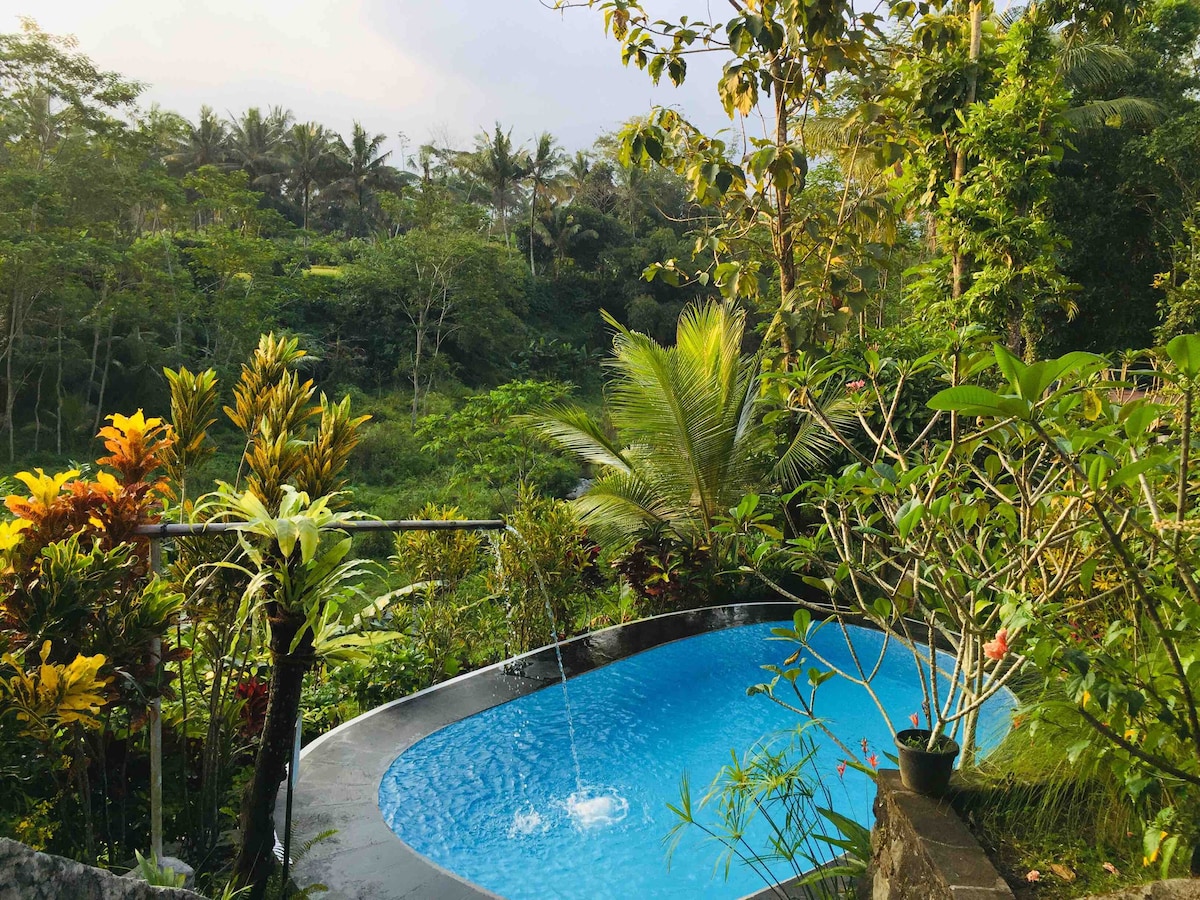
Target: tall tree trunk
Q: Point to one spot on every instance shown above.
(58, 393)
(37, 411)
(419, 334)
(95, 357)
(958, 263)
(502, 206)
(532, 223)
(256, 856)
(104, 375)
(783, 239)
(175, 301)
(10, 384)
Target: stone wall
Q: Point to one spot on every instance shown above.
(1174, 889)
(922, 850)
(26, 874)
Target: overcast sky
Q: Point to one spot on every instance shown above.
(443, 68)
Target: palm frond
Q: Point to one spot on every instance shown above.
(577, 432)
(1133, 112)
(812, 444)
(1091, 64)
(620, 505)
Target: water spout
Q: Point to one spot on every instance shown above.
(562, 672)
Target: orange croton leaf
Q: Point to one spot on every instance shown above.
(136, 445)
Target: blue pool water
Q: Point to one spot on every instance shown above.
(507, 801)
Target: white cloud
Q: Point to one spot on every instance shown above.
(411, 65)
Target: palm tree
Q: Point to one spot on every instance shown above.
(499, 166)
(205, 144)
(1089, 67)
(559, 230)
(579, 167)
(544, 167)
(256, 144)
(366, 169)
(689, 440)
(310, 157)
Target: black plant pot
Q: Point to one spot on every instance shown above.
(925, 771)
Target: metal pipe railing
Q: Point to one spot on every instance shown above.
(191, 529)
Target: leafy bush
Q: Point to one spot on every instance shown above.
(491, 447)
(544, 560)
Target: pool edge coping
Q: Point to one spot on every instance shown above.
(547, 648)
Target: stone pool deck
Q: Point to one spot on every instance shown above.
(340, 772)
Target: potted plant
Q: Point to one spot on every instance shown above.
(926, 760)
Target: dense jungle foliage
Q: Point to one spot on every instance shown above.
(910, 342)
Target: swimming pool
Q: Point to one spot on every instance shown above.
(527, 802)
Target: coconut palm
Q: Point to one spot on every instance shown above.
(689, 441)
(365, 172)
(205, 144)
(558, 230)
(310, 159)
(1089, 67)
(501, 167)
(256, 144)
(579, 167)
(543, 171)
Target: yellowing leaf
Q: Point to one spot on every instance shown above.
(45, 488)
(52, 694)
(108, 483)
(129, 426)
(10, 533)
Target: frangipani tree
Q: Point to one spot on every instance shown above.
(907, 538)
(1050, 527)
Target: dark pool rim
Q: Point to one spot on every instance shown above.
(340, 771)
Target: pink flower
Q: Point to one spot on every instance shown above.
(915, 719)
(998, 648)
(856, 385)
(873, 760)
(1111, 869)
(1033, 875)
(841, 767)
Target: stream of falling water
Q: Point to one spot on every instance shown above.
(586, 807)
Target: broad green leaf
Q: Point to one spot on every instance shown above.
(1129, 472)
(1138, 415)
(968, 399)
(907, 516)
(1184, 351)
(1012, 367)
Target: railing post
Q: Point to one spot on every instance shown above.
(293, 777)
(156, 781)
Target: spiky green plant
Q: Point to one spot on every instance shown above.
(689, 438)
